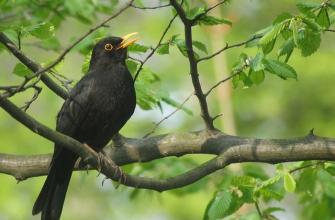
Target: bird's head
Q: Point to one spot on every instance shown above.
(112, 49)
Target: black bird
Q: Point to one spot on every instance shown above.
(97, 108)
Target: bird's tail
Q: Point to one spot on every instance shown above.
(51, 198)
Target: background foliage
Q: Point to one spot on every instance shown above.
(288, 33)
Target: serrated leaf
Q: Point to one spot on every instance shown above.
(245, 79)
(286, 49)
(194, 12)
(294, 28)
(256, 63)
(42, 31)
(269, 194)
(279, 68)
(86, 64)
(323, 18)
(21, 70)
(282, 17)
(247, 181)
(219, 205)
(272, 34)
(257, 77)
(137, 48)
(289, 182)
(311, 24)
(163, 49)
(310, 42)
(200, 46)
(132, 66)
(307, 7)
(267, 48)
(210, 20)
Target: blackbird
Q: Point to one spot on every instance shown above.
(96, 109)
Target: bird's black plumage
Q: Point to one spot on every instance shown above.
(97, 108)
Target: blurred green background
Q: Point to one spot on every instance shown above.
(274, 109)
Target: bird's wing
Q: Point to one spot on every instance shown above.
(75, 108)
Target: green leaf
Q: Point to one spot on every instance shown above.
(310, 42)
(132, 66)
(21, 70)
(194, 12)
(311, 24)
(289, 182)
(267, 48)
(279, 68)
(286, 49)
(272, 34)
(86, 64)
(294, 28)
(323, 18)
(257, 77)
(307, 8)
(200, 46)
(245, 79)
(256, 63)
(282, 17)
(219, 205)
(163, 49)
(42, 31)
(137, 48)
(210, 20)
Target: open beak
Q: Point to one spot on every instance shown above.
(126, 41)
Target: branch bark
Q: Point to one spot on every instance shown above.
(193, 65)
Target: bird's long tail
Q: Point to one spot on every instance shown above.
(51, 198)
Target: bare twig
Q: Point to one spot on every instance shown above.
(330, 30)
(155, 48)
(220, 82)
(37, 91)
(228, 47)
(168, 116)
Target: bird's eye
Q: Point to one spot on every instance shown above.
(108, 47)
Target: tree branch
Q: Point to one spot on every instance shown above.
(229, 47)
(230, 149)
(193, 66)
(155, 48)
(68, 49)
(33, 66)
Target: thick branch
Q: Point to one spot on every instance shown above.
(230, 149)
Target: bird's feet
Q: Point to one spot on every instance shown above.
(117, 170)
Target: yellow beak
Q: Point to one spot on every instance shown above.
(125, 43)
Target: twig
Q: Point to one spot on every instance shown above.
(306, 166)
(194, 20)
(155, 48)
(145, 8)
(220, 82)
(228, 47)
(168, 116)
(68, 49)
(193, 65)
(33, 66)
(330, 30)
(37, 92)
